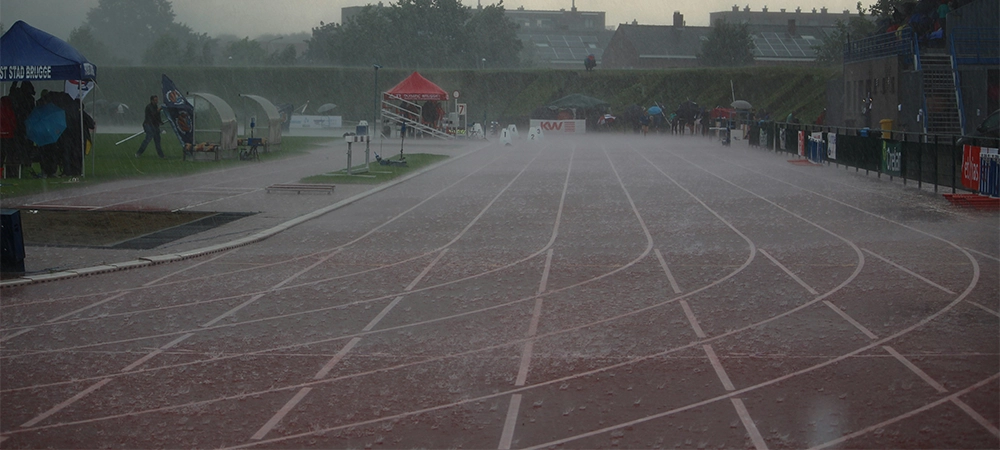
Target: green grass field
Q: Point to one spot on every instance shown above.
(109, 162)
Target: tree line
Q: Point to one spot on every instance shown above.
(407, 33)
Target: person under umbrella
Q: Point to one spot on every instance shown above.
(44, 127)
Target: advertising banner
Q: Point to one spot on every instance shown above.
(802, 143)
(560, 126)
(970, 167)
(831, 146)
(989, 172)
(892, 157)
(301, 121)
(180, 112)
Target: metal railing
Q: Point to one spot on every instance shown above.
(409, 113)
(919, 157)
(975, 46)
(898, 43)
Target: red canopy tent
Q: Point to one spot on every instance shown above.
(417, 88)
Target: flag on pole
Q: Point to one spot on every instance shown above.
(180, 112)
(78, 89)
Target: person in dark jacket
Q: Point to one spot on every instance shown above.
(151, 125)
(72, 141)
(22, 151)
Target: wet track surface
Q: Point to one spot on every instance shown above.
(608, 292)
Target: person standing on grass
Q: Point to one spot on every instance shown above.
(151, 125)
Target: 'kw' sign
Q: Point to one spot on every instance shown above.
(560, 126)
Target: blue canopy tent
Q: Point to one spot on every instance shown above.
(30, 54)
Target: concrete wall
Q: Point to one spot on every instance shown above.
(879, 80)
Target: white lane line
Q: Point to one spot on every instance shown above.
(66, 403)
(167, 346)
(113, 297)
(256, 297)
(77, 311)
(325, 370)
(280, 414)
(545, 272)
(526, 353)
(976, 416)
(189, 268)
(423, 273)
(536, 314)
(507, 437)
(913, 367)
(850, 319)
(967, 301)
(104, 381)
(522, 369)
(690, 315)
(906, 415)
(719, 370)
(14, 335)
(983, 254)
(755, 437)
(912, 273)
(666, 270)
(381, 315)
(232, 311)
(336, 358)
(789, 272)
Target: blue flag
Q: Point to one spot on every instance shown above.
(179, 111)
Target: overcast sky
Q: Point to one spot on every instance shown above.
(255, 17)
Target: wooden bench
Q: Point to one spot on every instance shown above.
(200, 152)
(300, 188)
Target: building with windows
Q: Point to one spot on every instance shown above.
(561, 39)
(780, 37)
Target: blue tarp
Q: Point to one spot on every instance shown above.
(27, 53)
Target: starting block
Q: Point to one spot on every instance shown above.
(505, 137)
(535, 134)
(512, 129)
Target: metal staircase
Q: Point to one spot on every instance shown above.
(408, 113)
(940, 94)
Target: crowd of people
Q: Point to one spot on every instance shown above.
(927, 19)
(64, 157)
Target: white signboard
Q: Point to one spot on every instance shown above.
(78, 89)
(461, 108)
(299, 121)
(560, 126)
(831, 146)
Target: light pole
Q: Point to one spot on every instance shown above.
(372, 127)
(375, 111)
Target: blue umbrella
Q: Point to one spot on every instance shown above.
(654, 110)
(45, 124)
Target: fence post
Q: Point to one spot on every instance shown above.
(920, 165)
(954, 164)
(936, 150)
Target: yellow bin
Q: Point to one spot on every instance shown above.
(886, 125)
